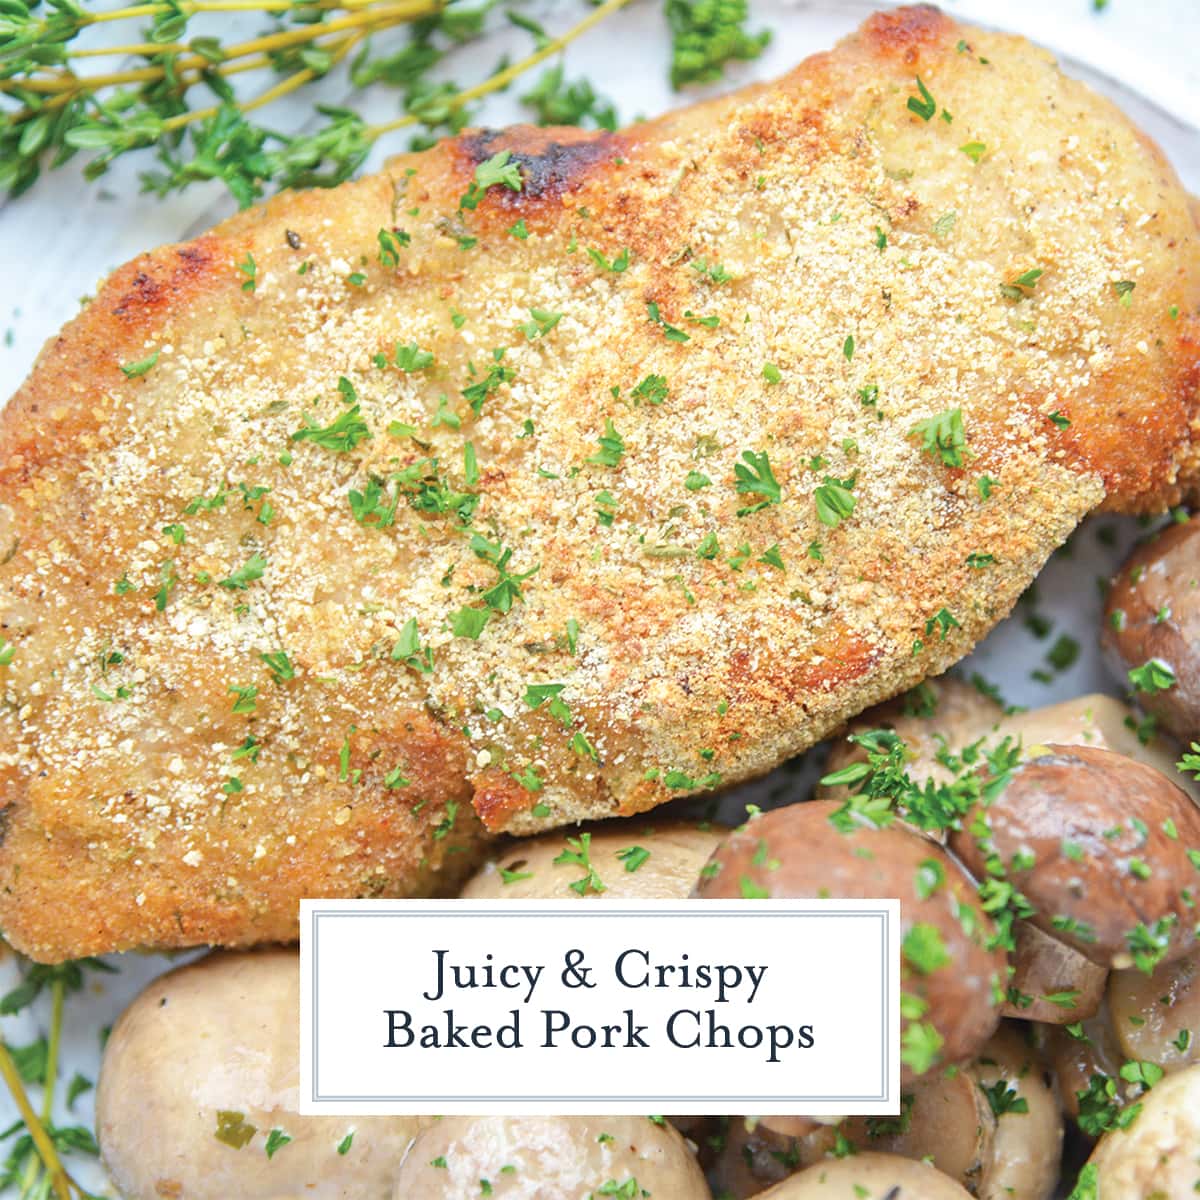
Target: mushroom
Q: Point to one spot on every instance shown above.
(956, 714)
(548, 1158)
(952, 976)
(749, 1154)
(937, 714)
(1151, 631)
(1157, 1155)
(945, 1119)
(198, 1094)
(1050, 982)
(1026, 1149)
(1079, 1055)
(1099, 845)
(868, 1177)
(632, 860)
(1157, 1017)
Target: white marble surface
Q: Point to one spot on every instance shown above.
(61, 237)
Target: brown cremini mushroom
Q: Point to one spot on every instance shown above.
(952, 979)
(1152, 627)
(1100, 846)
(1050, 981)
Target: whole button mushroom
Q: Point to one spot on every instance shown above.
(1151, 630)
(1099, 845)
(1026, 1148)
(618, 860)
(198, 1095)
(868, 1177)
(1157, 1017)
(952, 977)
(1157, 1155)
(549, 1158)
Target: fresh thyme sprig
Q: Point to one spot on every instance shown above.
(176, 93)
(34, 1164)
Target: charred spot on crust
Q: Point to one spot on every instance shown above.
(903, 32)
(552, 161)
(155, 280)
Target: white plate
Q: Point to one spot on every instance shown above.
(625, 59)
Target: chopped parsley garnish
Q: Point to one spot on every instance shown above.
(410, 652)
(136, 369)
(924, 950)
(1152, 676)
(276, 1140)
(542, 322)
(974, 150)
(578, 853)
(251, 570)
(753, 476)
(652, 389)
(942, 620)
(773, 558)
(341, 435)
(771, 373)
(671, 332)
(391, 241)
(612, 446)
(633, 857)
(1124, 289)
(476, 393)
(920, 1046)
(704, 37)
(1024, 283)
(943, 436)
(507, 589)
(714, 272)
(834, 500)
(924, 105)
(249, 268)
(411, 357)
(497, 171)
(616, 265)
(1003, 1098)
(1099, 1109)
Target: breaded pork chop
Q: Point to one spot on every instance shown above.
(548, 475)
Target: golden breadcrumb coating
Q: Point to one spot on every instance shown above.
(549, 474)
